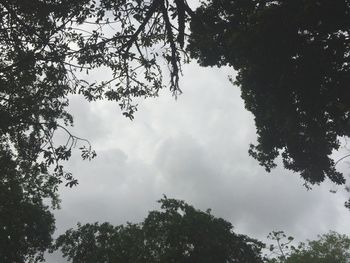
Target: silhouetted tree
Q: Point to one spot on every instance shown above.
(292, 58)
(26, 224)
(178, 233)
(46, 47)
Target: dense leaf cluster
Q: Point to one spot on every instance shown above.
(292, 58)
(26, 224)
(178, 233)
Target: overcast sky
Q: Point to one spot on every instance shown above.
(193, 148)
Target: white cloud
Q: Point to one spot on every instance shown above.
(194, 149)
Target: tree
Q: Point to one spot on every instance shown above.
(178, 233)
(282, 247)
(330, 247)
(26, 224)
(292, 59)
(272, 44)
(45, 48)
(46, 45)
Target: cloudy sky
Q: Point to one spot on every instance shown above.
(193, 148)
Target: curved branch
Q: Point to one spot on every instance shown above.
(342, 158)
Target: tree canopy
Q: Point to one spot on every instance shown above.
(177, 233)
(292, 58)
(46, 50)
(26, 224)
(46, 46)
(330, 247)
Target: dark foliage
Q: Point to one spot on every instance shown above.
(26, 224)
(46, 49)
(293, 62)
(178, 233)
(292, 57)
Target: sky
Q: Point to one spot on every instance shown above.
(193, 148)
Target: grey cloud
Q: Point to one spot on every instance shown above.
(255, 202)
(195, 149)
